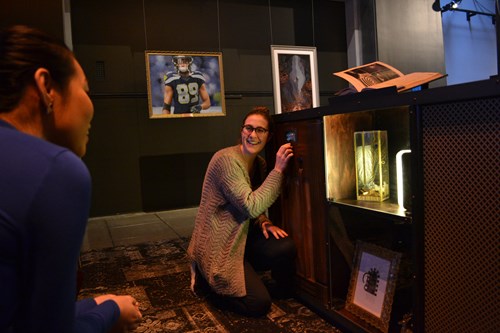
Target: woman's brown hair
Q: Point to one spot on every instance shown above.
(23, 50)
(264, 112)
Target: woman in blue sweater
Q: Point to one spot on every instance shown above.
(45, 115)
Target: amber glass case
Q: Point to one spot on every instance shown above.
(372, 165)
(360, 158)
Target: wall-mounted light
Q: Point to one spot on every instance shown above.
(453, 6)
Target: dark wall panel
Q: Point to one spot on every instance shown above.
(42, 14)
(97, 22)
(112, 156)
(245, 26)
(182, 172)
(181, 25)
(330, 28)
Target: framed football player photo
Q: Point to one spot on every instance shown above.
(373, 283)
(185, 84)
(295, 78)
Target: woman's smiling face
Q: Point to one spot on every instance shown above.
(253, 142)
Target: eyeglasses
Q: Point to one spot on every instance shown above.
(248, 129)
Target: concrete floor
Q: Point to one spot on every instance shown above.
(127, 229)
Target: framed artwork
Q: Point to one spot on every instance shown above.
(295, 78)
(373, 282)
(185, 84)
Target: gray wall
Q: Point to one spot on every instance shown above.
(406, 34)
(409, 36)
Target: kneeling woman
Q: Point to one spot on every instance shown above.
(232, 237)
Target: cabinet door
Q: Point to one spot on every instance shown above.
(302, 205)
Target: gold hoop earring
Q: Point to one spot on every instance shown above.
(49, 108)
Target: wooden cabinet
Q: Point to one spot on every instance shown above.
(438, 218)
(302, 206)
(441, 216)
(318, 207)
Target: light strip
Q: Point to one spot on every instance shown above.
(399, 174)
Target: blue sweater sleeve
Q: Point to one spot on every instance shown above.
(57, 221)
(90, 316)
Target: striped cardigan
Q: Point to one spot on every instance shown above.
(221, 227)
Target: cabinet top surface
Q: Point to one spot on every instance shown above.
(388, 97)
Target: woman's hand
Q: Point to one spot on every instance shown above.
(285, 152)
(130, 315)
(277, 232)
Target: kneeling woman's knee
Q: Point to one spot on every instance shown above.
(259, 306)
(287, 248)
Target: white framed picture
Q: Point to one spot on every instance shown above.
(295, 78)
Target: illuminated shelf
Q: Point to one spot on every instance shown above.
(386, 207)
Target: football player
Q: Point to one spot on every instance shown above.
(184, 88)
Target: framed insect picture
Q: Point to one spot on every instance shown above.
(373, 282)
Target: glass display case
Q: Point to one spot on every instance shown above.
(372, 165)
(366, 176)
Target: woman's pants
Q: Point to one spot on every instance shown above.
(261, 254)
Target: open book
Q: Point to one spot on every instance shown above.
(380, 75)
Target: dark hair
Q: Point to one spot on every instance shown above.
(264, 112)
(23, 50)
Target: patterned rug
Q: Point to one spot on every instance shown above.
(157, 275)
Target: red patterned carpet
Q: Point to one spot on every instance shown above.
(157, 275)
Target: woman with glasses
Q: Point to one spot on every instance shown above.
(232, 238)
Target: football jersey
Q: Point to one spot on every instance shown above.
(186, 90)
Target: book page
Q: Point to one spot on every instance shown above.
(369, 75)
(410, 81)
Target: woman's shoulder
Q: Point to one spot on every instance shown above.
(232, 152)
(40, 149)
(227, 156)
(27, 150)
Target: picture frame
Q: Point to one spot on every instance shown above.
(295, 78)
(373, 283)
(177, 92)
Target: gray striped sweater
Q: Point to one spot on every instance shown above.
(221, 227)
